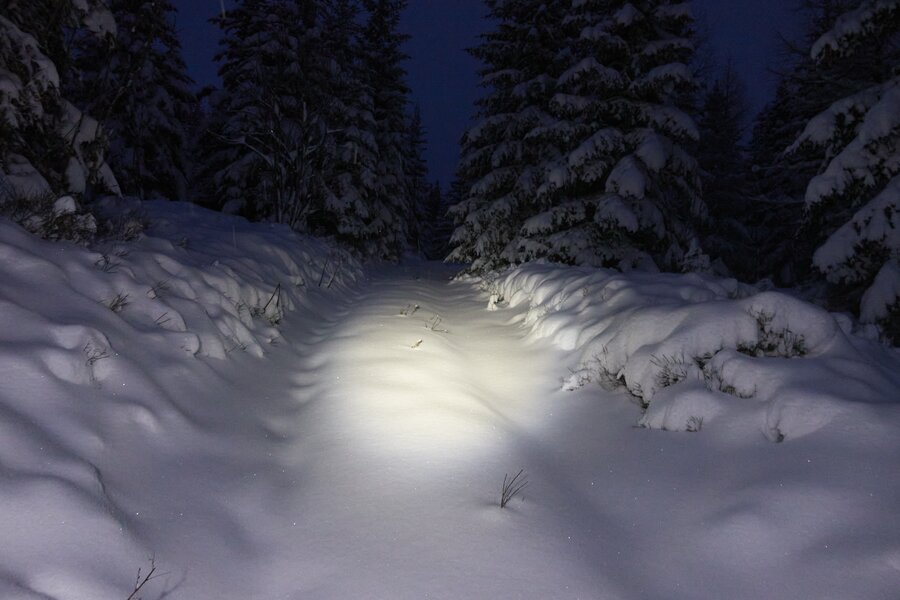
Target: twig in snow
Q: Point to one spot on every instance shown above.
(276, 292)
(322, 276)
(139, 582)
(433, 323)
(409, 311)
(512, 487)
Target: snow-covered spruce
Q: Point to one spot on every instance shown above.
(855, 199)
(137, 86)
(268, 134)
(47, 145)
(581, 156)
(312, 118)
(501, 160)
(695, 346)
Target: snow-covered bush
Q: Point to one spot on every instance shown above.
(695, 346)
(49, 217)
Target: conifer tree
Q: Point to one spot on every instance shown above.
(853, 203)
(47, 145)
(381, 58)
(351, 166)
(625, 190)
(418, 190)
(139, 90)
(581, 153)
(503, 155)
(270, 136)
(724, 171)
(436, 224)
(805, 88)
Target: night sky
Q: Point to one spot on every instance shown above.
(444, 78)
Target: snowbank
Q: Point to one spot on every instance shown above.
(696, 350)
(108, 358)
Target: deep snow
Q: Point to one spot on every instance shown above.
(353, 446)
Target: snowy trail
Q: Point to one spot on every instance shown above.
(410, 442)
(357, 463)
(332, 447)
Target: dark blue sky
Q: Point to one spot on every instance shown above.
(443, 77)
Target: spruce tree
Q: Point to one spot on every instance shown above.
(47, 145)
(853, 203)
(352, 162)
(437, 227)
(625, 190)
(503, 155)
(805, 88)
(418, 190)
(581, 155)
(139, 90)
(269, 136)
(381, 58)
(724, 171)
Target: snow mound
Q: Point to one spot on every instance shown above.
(105, 357)
(693, 349)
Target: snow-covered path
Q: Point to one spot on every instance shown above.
(409, 423)
(350, 451)
(380, 471)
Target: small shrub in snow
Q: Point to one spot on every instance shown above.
(670, 370)
(123, 226)
(93, 354)
(49, 217)
(118, 303)
(594, 371)
(694, 424)
(273, 313)
(774, 342)
(106, 263)
(715, 381)
(334, 270)
(512, 487)
(158, 289)
(140, 582)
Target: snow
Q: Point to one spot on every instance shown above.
(601, 142)
(627, 15)
(653, 149)
(674, 11)
(876, 222)
(882, 294)
(22, 178)
(627, 178)
(672, 121)
(664, 77)
(608, 77)
(853, 24)
(268, 420)
(652, 332)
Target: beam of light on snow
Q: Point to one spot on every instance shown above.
(399, 386)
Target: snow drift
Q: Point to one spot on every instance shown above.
(103, 354)
(693, 349)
